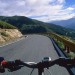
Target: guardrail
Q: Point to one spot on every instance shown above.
(71, 70)
(68, 45)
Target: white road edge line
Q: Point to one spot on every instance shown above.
(12, 42)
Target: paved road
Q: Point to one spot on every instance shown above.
(32, 48)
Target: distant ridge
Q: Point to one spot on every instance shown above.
(70, 23)
(27, 25)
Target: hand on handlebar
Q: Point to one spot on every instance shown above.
(12, 65)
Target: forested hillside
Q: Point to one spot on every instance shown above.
(27, 25)
(5, 25)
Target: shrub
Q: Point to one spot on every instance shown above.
(4, 34)
(5, 25)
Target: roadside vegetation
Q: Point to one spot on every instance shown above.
(8, 32)
(61, 45)
(5, 25)
(4, 34)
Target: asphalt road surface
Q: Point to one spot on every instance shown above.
(32, 48)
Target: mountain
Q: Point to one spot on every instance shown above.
(20, 20)
(70, 23)
(27, 25)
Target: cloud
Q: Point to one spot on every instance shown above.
(61, 1)
(44, 10)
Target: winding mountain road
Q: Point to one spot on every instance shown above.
(32, 48)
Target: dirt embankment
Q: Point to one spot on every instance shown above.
(9, 34)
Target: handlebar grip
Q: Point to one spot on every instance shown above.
(65, 61)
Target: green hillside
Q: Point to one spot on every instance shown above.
(5, 25)
(27, 25)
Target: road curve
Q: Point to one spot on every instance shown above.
(32, 48)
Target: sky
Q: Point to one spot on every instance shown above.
(43, 10)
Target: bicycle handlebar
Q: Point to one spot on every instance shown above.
(61, 62)
(41, 65)
(17, 64)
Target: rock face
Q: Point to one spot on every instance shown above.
(9, 34)
(1, 39)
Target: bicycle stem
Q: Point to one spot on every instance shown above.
(40, 71)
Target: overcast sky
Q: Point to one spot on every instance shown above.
(43, 10)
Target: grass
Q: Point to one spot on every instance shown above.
(60, 44)
(5, 25)
(4, 34)
(69, 55)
